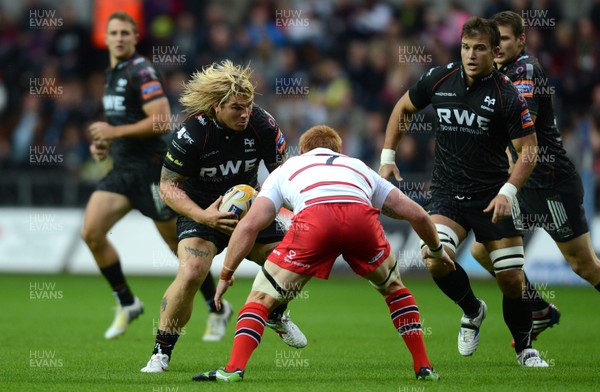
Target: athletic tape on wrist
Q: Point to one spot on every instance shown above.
(437, 252)
(388, 156)
(508, 190)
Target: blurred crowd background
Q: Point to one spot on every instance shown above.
(340, 62)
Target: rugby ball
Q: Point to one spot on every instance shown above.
(238, 200)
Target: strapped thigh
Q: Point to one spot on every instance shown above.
(448, 237)
(265, 283)
(392, 274)
(508, 258)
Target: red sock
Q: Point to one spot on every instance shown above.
(405, 316)
(248, 333)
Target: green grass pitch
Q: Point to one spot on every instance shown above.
(52, 340)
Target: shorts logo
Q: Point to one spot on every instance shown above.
(290, 256)
(377, 257)
(559, 216)
(185, 232)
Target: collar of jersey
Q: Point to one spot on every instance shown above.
(519, 57)
(321, 151)
(123, 63)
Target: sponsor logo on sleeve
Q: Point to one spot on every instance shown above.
(280, 141)
(201, 119)
(175, 161)
(526, 120)
(151, 90)
(183, 134)
(525, 87)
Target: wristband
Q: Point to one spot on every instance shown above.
(508, 190)
(226, 275)
(437, 252)
(388, 157)
(228, 269)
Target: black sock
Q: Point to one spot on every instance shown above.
(535, 300)
(277, 313)
(116, 279)
(538, 305)
(208, 292)
(517, 316)
(456, 286)
(165, 342)
(597, 287)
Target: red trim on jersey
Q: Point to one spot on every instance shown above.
(340, 199)
(446, 76)
(500, 94)
(333, 164)
(324, 183)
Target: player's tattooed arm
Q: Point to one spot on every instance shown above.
(390, 212)
(171, 191)
(172, 178)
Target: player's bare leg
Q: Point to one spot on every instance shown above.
(103, 210)
(580, 255)
(195, 257)
(216, 324)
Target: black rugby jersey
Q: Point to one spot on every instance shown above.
(552, 166)
(215, 158)
(127, 87)
(474, 126)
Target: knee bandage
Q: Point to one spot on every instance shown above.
(508, 258)
(448, 237)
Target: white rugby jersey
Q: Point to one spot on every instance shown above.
(324, 176)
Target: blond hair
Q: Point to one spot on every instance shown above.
(320, 136)
(216, 85)
(123, 17)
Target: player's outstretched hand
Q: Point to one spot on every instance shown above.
(222, 287)
(388, 169)
(224, 222)
(501, 206)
